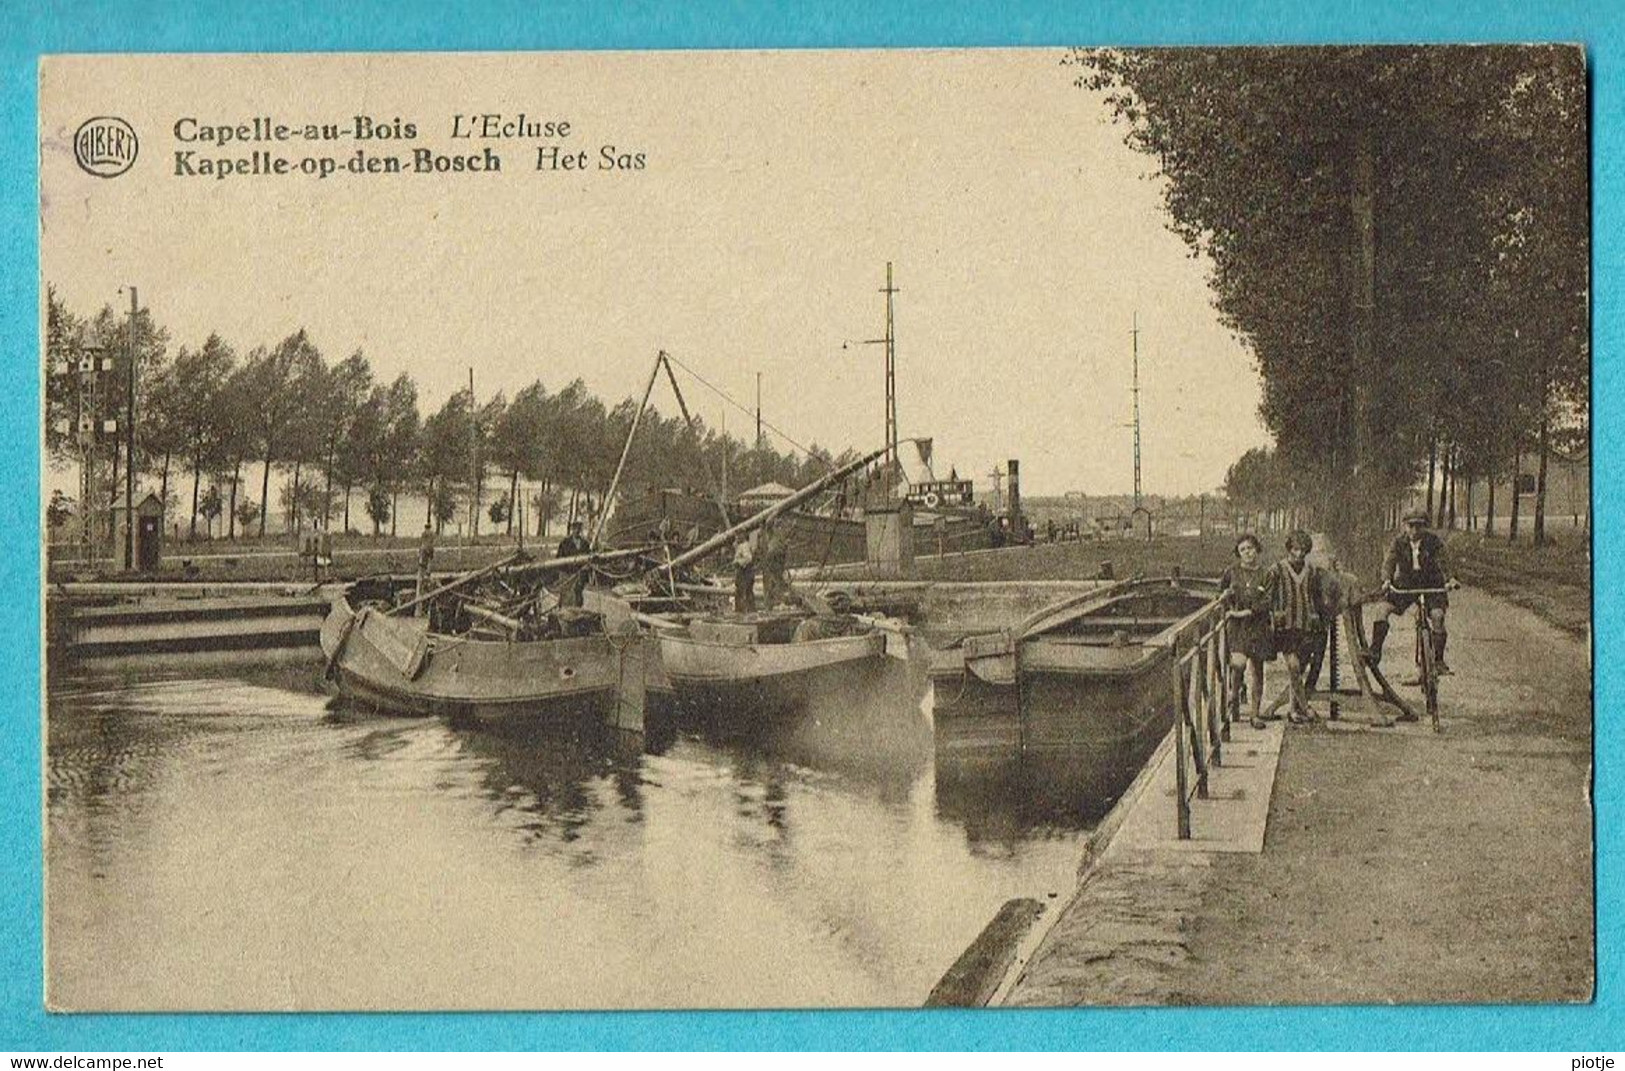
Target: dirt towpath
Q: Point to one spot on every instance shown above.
(1399, 866)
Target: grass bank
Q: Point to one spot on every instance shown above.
(277, 560)
(1192, 555)
(1554, 580)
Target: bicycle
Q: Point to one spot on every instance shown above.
(1427, 657)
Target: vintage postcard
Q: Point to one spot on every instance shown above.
(1020, 527)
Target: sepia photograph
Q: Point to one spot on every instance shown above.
(815, 529)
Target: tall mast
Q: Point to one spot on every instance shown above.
(891, 383)
(473, 462)
(889, 341)
(1136, 390)
(129, 447)
(626, 449)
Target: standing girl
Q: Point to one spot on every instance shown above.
(1296, 610)
(1247, 597)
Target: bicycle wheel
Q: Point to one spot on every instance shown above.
(1428, 660)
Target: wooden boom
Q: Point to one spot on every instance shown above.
(525, 566)
(723, 538)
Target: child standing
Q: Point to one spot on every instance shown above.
(1247, 598)
(1295, 611)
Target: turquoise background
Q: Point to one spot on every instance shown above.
(243, 25)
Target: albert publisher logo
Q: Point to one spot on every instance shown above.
(105, 146)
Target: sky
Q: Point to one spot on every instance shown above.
(1025, 240)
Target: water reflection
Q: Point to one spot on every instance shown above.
(872, 727)
(1005, 795)
(552, 777)
(1015, 802)
(242, 842)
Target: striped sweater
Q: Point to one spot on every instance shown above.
(1296, 600)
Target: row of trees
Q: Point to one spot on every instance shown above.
(334, 435)
(1267, 487)
(1401, 237)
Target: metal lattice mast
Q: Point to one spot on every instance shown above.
(1136, 391)
(891, 381)
(85, 369)
(473, 461)
(129, 445)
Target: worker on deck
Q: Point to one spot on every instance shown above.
(425, 559)
(321, 552)
(744, 563)
(573, 546)
(771, 560)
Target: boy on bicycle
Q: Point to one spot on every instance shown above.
(1415, 559)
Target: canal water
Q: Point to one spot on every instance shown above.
(227, 837)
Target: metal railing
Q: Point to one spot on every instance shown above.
(1202, 711)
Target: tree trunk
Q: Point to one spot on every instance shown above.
(231, 521)
(197, 476)
(348, 486)
(1489, 515)
(1472, 520)
(1433, 463)
(1517, 474)
(1361, 501)
(1540, 481)
(163, 483)
(1454, 478)
(1443, 488)
(112, 523)
(265, 493)
(394, 509)
(327, 497)
(293, 507)
(513, 500)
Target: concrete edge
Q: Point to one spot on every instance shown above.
(881, 583)
(1095, 847)
(981, 968)
(1101, 837)
(194, 588)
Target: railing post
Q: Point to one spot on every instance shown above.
(1226, 715)
(1199, 697)
(1198, 737)
(1181, 777)
(1210, 661)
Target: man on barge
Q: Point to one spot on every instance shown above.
(574, 545)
